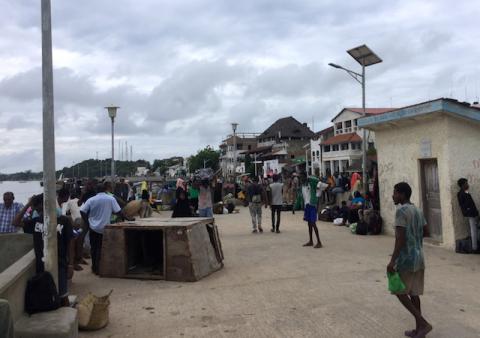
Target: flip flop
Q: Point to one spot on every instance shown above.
(410, 333)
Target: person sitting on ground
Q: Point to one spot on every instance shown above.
(33, 224)
(310, 214)
(8, 210)
(469, 211)
(407, 258)
(344, 212)
(365, 211)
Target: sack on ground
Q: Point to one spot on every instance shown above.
(325, 215)
(395, 283)
(93, 312)
(338, 221)
(362, 228)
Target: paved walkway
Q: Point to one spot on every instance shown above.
(271, 286)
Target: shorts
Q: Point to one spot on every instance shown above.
(414, 281)
(310, 214)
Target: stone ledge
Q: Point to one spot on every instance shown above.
(61, 323)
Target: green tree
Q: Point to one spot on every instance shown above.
(208, 157)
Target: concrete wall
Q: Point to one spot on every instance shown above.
(464, 146)
(13, 247)
(398, 150)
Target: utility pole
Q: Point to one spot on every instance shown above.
(49, 184)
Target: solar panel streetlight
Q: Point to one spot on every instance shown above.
(365, 57)
(112, 113)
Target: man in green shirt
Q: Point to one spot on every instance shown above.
(407, 258)
(193, 197)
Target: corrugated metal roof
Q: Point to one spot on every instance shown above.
(343, 138)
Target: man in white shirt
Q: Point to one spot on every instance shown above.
(96, 212)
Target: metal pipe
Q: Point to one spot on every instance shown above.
(113, 152)
(49, 179)
(364, 153)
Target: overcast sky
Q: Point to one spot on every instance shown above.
(182, 71)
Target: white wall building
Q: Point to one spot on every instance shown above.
(316, 152)
(343, 150)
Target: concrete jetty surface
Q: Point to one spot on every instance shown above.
(271, 286)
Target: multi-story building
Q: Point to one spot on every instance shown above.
(343, 150)
(244, 142)
(316, 149)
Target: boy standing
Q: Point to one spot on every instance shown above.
(310, 213)
(255, 198)
(469, 210)
(407, 258)
(276, 202)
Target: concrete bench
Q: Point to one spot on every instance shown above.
(13, 281)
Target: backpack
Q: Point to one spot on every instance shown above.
(325, 215)
(41, 294)
(362, 229)
(375, 223)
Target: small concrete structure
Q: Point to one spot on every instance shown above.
(430, 146)
(176, 249)
(17, 269)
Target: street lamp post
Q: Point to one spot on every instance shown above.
(365, 57)
(234, 128)
(112, 113)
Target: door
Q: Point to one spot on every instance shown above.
(431, 198)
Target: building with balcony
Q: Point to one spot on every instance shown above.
(244, 143)
(316, 149)
(342, 151)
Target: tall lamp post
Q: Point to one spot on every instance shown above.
(365, 57)
(234, 128)
(112, 113)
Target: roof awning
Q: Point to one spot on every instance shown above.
(342, 138)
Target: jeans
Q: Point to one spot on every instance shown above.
(474, 231)
(276, 209)
(207, 212)
(256, 213)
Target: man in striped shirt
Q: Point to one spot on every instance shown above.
(8, 210)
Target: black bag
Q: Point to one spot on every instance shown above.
(375, 223)
(41, 294)
(362, 228)
(463, 246)
(325, 215)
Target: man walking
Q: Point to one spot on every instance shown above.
(276, 202)
(255, 198)
(469, 210)
(407, 257)
(96, 212)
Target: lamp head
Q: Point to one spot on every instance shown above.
(234, 126)
(334, 65)
(112, 111)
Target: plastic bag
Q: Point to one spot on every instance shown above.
(395, 283)
(338, 221)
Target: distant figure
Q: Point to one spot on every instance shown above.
(8, 210)
(469, 210)
(276, 202)
(182, 207)
(193, 197)
(407, 258)
(255, 197)
(310, 214)
(295, 188)
(121, 190)
(96, 212)
(205, 204)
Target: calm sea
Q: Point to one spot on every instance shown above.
(22, 190)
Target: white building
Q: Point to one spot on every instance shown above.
(316, 149)
(244, 143)
(343, 150)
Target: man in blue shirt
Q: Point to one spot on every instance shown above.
(407, 258)
(96, 212)
(8, 210)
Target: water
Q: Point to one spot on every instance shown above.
(22, 191)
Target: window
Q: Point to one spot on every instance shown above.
(339, 125)
(313, 155)
(326, 149)
(318, 153)
(344, 146)
(348, 124)
(355, 122)
(335, 147)
(249, 147)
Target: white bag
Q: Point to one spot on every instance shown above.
(338, 221)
